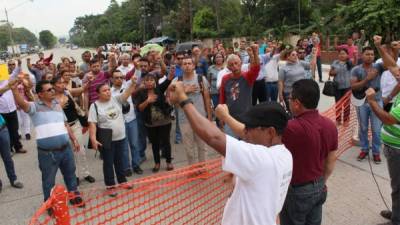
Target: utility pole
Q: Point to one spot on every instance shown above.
(10, 31)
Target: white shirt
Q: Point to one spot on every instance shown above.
(7, 102)
(125, 69)
(226, 71)
(271, 69)
(388, 82)
(131, 115)
(262, 178)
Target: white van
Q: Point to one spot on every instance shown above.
(126, 47)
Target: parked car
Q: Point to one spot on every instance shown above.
(126, 47)
(4, 55)
(74, 47)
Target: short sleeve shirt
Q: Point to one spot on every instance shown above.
(359, 73)
(196, 97)
(262, 177)
(109, 116)
(343, 74)
(292, 72)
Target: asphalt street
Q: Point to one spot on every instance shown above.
(353, 197)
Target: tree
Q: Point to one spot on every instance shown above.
(374, 16)
(204, 23)
(20, 35)
(47, 39)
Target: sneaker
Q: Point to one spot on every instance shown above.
(387, 214)
(77, 201)
(128, 173)
(362, 156)
(28, 136)
(17, 184)
(126, 186)
(90, 179)
(377, 159)
(111, 192)
(137, 170)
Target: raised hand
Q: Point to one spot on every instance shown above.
(377, 40)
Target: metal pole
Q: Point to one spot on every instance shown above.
(10, 32)
(144, 21)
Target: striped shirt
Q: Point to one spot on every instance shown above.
(390, 134)
(49, 123)
(101, 78)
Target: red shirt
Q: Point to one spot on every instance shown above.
(309, 137)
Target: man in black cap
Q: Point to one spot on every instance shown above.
(261, 164)
(312, 140)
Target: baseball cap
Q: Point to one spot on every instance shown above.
(268, 114)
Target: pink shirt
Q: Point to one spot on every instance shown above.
(352, 50)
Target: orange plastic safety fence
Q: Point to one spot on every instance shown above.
(190, 195)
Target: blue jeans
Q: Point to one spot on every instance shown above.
(131, 129)
(5, 152)
(49, 162)
(142, 134)
(303, 204)
(113, 159)
(178, 134)
(365, 114)
(271, 88)
(215, 99)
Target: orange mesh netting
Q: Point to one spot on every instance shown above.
(190, 195)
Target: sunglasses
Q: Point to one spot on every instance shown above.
(11, 64)
(49, 90)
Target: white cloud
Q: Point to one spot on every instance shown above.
(58, 16)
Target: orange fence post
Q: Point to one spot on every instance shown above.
(59, 198)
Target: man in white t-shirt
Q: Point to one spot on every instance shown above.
(261, 163)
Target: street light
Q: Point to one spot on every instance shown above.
(9, 24)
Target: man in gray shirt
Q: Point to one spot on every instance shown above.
(198, 91)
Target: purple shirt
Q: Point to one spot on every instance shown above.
(101, 77)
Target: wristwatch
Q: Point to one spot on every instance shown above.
(185, 102)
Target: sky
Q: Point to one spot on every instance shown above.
(58, 16)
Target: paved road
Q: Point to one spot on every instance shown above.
(353, 197)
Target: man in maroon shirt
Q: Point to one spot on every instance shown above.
(237, 88)
(313, 140)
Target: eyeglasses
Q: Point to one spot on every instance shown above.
(295, 54)
(301, 52)
(11, 64)
(49, 90)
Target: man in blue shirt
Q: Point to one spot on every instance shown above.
(364, 76)
(53, 136)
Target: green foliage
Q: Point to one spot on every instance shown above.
(374, 16)
(20, 36)
(47, 39)
(204, 23)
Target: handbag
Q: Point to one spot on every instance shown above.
(329, 87)
(103, 135)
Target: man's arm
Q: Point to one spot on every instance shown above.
(73, 138)
(128, 91)
(207, 103)
(330, 162)
(222, 113)
(252, 74)
(384, 116)
(17, 96)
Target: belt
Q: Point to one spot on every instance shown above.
(62, 148)
(307, 183)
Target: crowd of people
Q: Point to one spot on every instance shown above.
(255, 104)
